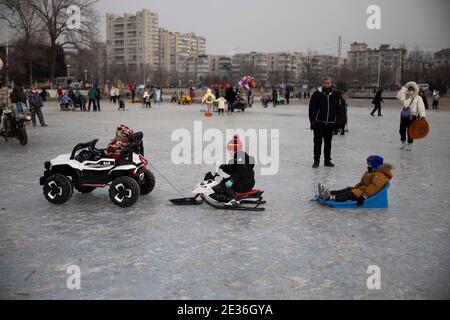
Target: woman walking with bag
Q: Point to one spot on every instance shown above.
(413, 109)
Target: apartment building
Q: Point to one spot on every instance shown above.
(253, 63)
(177, 50)
(442, 58)
(133, 40)
(220, 65)
(137, 42)
(383, 63)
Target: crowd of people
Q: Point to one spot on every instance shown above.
(72, 100)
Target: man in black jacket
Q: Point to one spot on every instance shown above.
(325, 107)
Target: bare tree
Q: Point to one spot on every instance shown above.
(56, 16)
(418, 65)
(309, 66)
(25, 25)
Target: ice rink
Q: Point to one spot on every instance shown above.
(296, 249)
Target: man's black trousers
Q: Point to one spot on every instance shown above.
(323, 134)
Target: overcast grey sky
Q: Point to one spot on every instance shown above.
(231, 26)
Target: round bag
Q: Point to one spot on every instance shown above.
(419, 129)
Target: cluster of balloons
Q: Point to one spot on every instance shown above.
(247, 82)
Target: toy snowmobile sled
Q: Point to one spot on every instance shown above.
(205, 193)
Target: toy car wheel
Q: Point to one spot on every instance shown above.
(149, 183)
(58, 189)
(22, 137)
(124, 192)
(85, 190)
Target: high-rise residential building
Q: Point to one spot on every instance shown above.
(384, 64)
(133, 41)
(137, 42)
(176, 49)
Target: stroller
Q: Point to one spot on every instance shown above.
(66, 103)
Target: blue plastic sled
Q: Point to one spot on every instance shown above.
(378, 201)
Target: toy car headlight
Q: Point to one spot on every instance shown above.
(48, 165)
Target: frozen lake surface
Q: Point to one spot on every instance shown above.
(296, 249)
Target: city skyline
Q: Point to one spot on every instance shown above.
(428, 32)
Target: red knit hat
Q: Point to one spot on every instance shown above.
(235, 145)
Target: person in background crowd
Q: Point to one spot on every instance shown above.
(209, 99)
(92, 96)
(325, 107)
(133, 93)
(112, 95)
(250, 98)
(275, 97)
(436, 98)
(98, 98)
(60, 92)
(174, 97)
(146, 100)
(230, 97)
(377, 101)
(342, 119)
(36, 104)
(66, 103)
(221, 105)
(158, 96)
(424, 98)
(288, 95)
(44, 95)
(18, 98)
(217, 91)
(265, 101)
(81, 100)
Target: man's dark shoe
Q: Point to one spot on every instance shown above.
(316, 164)
(329, 164)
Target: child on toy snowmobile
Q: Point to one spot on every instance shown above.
(241, 171)
(379, 174)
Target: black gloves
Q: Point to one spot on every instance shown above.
(361, 201)
(313, 126)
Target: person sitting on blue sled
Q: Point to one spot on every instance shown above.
(240, 170)
(379, 174)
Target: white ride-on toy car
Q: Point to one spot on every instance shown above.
(88, 168)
